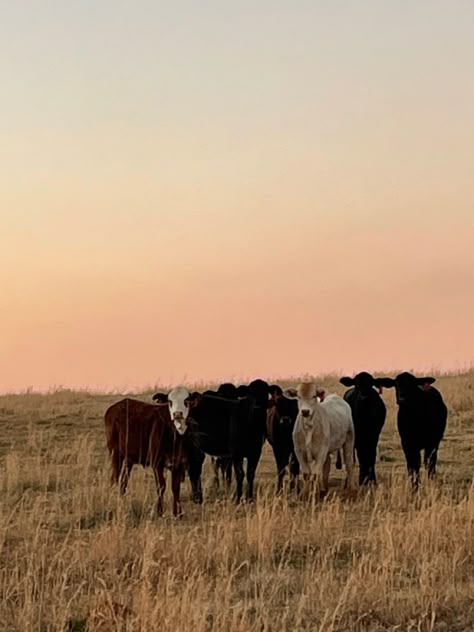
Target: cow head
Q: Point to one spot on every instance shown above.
(275, 392)
(307, 395)
(227, 390)
(242, 391)
(286, 410)
(407, 385)
(180, 401)
(259, 389)
(363, 382)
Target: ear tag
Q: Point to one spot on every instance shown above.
(380, 390)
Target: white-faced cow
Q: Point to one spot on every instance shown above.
(322, 428)
(139, 433)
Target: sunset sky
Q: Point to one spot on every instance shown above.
(214, 190)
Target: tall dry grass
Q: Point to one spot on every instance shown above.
(76, 556)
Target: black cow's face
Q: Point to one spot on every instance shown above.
(362, 382)
(259, 389)
(407, 386)
(287, 411)
(242, 391)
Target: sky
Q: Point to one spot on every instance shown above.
(215, 190)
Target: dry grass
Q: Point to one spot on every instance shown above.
(74, 556)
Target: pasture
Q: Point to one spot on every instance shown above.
(75, 556)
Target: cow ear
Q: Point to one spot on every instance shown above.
(386, 382)
(291, 393)
(161, 398)
(347, 381)
(194, 399)
(378, 383)
(321, 393)
(423, 381)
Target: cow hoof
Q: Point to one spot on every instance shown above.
(197, 499)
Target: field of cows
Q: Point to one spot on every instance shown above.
(76, 556)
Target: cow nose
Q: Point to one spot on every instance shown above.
(178, 415)
(305, 412)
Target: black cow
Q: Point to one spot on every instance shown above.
(223, 464)
(281, 417)
(368, 414)
(422, 416)
(233, 428)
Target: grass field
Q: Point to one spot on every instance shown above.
(75, 556)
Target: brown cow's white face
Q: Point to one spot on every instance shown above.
(179, 401)
(307, 395)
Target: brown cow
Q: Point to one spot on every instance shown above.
(144, 434)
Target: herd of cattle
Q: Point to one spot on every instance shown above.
(304, 426)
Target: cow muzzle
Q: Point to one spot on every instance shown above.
(180, 425)
(305, 413)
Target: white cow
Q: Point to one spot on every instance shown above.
(324, 425)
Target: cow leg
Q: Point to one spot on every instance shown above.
(348, 452)
(294, 471)
(370, 462)
(372, 458)
(317, 479)
(239, 477)
(305, 492)
(160, 487)
(125, 475)
(252, 463)
(363, 467)
(366, 456)
(413, 459)
(326, 470)
(177, 477)
(117, 462)
(215, 469)
(194, 470)
(281, 460)
(430, 460)
(227, 471)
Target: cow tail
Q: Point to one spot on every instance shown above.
(338, 460)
